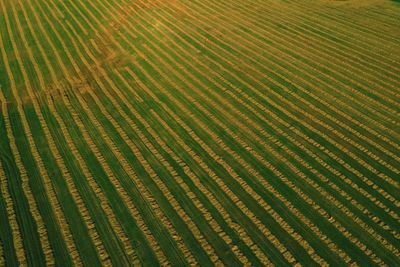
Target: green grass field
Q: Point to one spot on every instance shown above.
(201, 132)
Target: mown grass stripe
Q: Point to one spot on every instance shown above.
(290, 23)
(12, 248)
(347, 24)
(201, 132)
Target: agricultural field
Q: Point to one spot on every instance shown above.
(199, 132)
